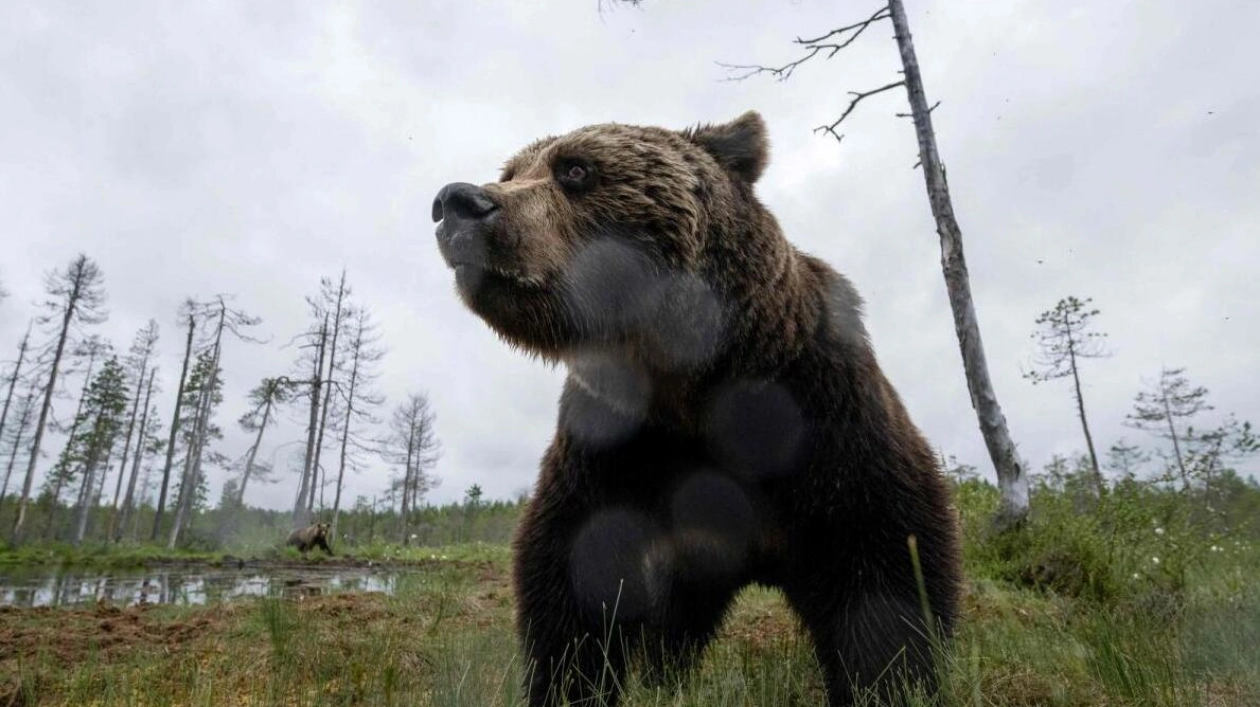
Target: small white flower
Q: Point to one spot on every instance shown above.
(1159, 531)
(1216, 548)
(443, 557)
(1155, 560)
(1136, 575)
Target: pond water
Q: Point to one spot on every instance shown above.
(57, 586)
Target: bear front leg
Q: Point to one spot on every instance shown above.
(873, 646)
(674, 645)
(575, 652)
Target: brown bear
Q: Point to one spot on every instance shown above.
(723, 422)
(310, 537)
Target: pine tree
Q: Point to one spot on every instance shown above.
(104, 414)
(1170, 402)
(1063, 340)
(65, 471)
(202, 398)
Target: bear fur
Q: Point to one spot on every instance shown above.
(310, 537)
(723, 422)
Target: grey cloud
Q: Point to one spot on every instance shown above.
(251, 148)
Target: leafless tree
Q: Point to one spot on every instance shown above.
(143, 446)
(15, 377)
(1011, 474)
(1063, 339)
(359, 399)
(318, 347)
(188, 315)
(142, 351)
(413, 445)
(76, 297)
(65, 469)
(332, 302)
(16, 433)
(222, 319)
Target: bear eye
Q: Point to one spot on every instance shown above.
(573, 175)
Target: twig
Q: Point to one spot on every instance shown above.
(814, 47)
(857, 98)
(882, 13)
(911, 115)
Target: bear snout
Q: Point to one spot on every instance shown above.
(461, 200)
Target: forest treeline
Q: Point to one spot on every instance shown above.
(132, 459)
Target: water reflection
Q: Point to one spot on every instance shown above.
(70, 587)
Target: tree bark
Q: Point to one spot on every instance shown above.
(170, 444)
(1080, 409)
(1012, 479)
(71, 304)
(301, 510)
(345, 436)
(402, 517)
(332, 363)
(122, 466)
(13, 381)
(129, 499)
(188, 489)
(89, 476)
(1172, 434)
(24, 419)
(253, 451)
(70, 440)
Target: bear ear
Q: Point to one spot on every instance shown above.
(740, 146)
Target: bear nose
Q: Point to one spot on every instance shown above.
(461, 200)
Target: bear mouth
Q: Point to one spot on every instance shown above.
(470, 277)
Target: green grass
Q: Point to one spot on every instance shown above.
(1130, 600)
(445, 639)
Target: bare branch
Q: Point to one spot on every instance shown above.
(881, 14)
(857, 98)
(911, 115)
(813, 48)
(781, 73)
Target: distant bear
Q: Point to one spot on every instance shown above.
(723, 422)
(312, 536)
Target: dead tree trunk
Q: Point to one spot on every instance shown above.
(188, 489)
(129, 499)
(332, 364)
(170, 444)
(1012, 478)
(26, 408)
(1080, 410)
(13, 380)
(40, 423)
(301, 509)
(253, 451)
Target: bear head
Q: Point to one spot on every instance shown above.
(641, 242)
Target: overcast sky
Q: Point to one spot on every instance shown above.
(1106, 150)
